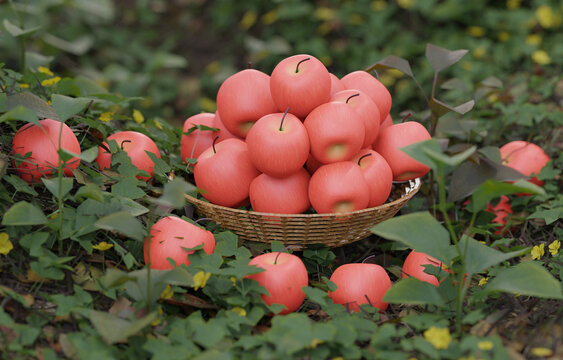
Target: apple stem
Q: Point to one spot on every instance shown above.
(202, 219)
(376, 74)
(351, 96)
(406, 117)
(363, 156)
(367, 298)
(283, 118)
(124, 141)
(250, 65)
(213, 144)
(299, 63)
(279, 253)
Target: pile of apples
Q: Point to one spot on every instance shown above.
(300, 137)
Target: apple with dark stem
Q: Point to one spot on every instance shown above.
(364, 81)
(378, 175)
(365, 110)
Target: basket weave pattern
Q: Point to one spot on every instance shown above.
(299, 230)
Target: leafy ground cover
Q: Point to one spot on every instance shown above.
(73, 282)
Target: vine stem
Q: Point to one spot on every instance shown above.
(60, 173)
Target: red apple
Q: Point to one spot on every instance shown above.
(365, 110)
(335, 132)
(224, 172)
(223, 132)
(287, 195)
(335, 84)
(524, 157)
(365, 82)
(135, 144)
(284, 277)
(394, 137)
(414, 266)
(278, 144)
(169, 236)
(300, 82)
(312, 164)
(42, 142)
(378, 175)
(198, 140)
(244, 98)
(360, 283)
(338, 187)
(501, 210)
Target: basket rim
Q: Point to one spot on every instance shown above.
(411, 190)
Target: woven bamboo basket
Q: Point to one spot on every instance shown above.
(300, 230)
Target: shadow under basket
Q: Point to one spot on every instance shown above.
(300, 230)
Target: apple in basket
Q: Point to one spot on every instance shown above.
(300, 83)
(284, 276)
(170, 237)
(362, 80)
(288, 195)
(378, 175)
(42, 145)
(360, 283)
(223, 172)
(136, 145)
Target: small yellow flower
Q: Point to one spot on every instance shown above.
(239, 310)
(248, 19)
(406, 4)
(315, 343)
(533, 39)
(167, 293)
(102, 246)
(546, 17)
(356, 19)
(513, 4)
(541, 57)
(24, 85)
(325, 13)
(233, 280)
(200, 280)
(440, 338)
(554, 247)
(213, 68)
(324, 28)
(479, 52)
(45, 70)
(5, 244)
(483, 281)
(138, 116)
(466, 65)
(158, 320)
(106, 116)
(538, 251)
(157, 124)
(485, 345)
(51, 81)
(270, 17)
(378, 5)
(476, 31)
(541, 351)
(503, 36)
(337, 358)
(207, 104)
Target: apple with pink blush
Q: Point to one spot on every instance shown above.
(362, 80)
(198, 140)
(378, 175)
(414, 266)
(288, 195)
(524, 157)
(335, 84)
(223, 132)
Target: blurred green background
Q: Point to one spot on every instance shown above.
(175, 54)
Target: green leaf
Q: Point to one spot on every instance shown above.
(24, 213)
(16, 31)
(441, 58)
(124, 223)
(550, 215)
(20, 113)
(430, 153)
(66, 304)
(419, 231)
(393, 62)
(88, 155)
(34, 103)
(492, 189)
(114, 329)
(173, 193)
(226, 243)
(66, 106)
(3, 102)
(77, 47)
(413, 292)
(90, 191)
(527, 278)
(440, 109)
(479, 257)
(128, 187)
(20, 185)
(53, 186)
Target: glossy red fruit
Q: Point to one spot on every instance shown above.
(414, 266)
(192, 145)
(362, 80)
(288, 195)
(378, 175)
(525, 157)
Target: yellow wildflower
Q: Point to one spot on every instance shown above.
(239, 310)
(157, 124)
(24, 85)
(213, 68)
(337, 358)
(325, 13)
(513, 4)
(356, 19)
(233, 280)
(45, 70)
(207, 104)
(533, 39)
(541, 351)
(485, 345)
(200, 280)
(5, 244)
(106, 116)
(541, 57)
(315, 343)
(538, 251)
(270, 17)
(503, 36)
(440, 338)
(554, 247)
(248, 19)
(167, 293)
(476, 31)
(158, 320)
(378, 5)
(483, 281)
(406, 4)
(546, 17)
(466, 65)
(138, 116)
(386, 80)
(51, 81)
(102, 246)
(324, 28)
